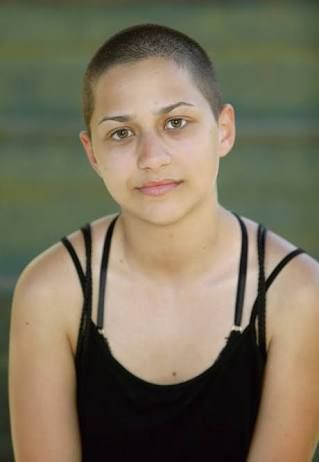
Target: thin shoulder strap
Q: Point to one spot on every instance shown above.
(86, 230)
(85, 278)
(261, 241)
(281, 265)
(76, 262)
(103, 271)
(242, 276)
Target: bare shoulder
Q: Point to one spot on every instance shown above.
(296, 289)
(44, 287)
(293, 297)
(48, 290)
(300, 274)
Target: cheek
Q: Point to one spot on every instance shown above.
(113, 162)
(115, 171)
(204, 156)
(206, 170)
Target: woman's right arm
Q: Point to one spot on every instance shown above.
(42, 381)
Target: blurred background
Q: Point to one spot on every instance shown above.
(267, 60)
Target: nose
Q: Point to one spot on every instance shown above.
(152, 154)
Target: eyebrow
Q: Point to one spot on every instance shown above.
(128, 117)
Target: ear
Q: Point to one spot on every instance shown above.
(226, 130)
(88, 148)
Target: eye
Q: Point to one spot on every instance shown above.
(178, 122)
(121, 134)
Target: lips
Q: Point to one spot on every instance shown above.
(157, 188)
(158, 183)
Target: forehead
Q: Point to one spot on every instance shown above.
(156, 81)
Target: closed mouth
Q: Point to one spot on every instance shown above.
(154, 184)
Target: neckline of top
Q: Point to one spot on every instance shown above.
(233, 341)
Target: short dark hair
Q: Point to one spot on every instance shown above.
(152, 40)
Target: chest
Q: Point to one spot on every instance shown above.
(167, 338)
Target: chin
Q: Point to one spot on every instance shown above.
(158, 214)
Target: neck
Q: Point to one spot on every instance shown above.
(184, 251)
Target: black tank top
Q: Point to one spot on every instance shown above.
(208, 417)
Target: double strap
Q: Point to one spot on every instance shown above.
(259, 307)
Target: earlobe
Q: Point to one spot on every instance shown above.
(226, 130)
(89, 151)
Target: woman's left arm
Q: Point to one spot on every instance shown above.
(287, 427)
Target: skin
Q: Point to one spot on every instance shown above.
(194, 263)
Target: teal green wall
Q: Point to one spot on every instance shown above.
(266, 55)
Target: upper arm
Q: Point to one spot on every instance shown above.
(287, 426)
(41, 371)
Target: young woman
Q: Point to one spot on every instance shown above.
(175, 329)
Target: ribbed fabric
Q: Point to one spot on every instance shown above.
(209, 417)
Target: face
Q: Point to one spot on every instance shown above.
(151, 124)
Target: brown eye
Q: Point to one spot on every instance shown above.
(121, 134)
(177, 123)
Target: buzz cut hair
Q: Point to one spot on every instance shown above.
(144, 41)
